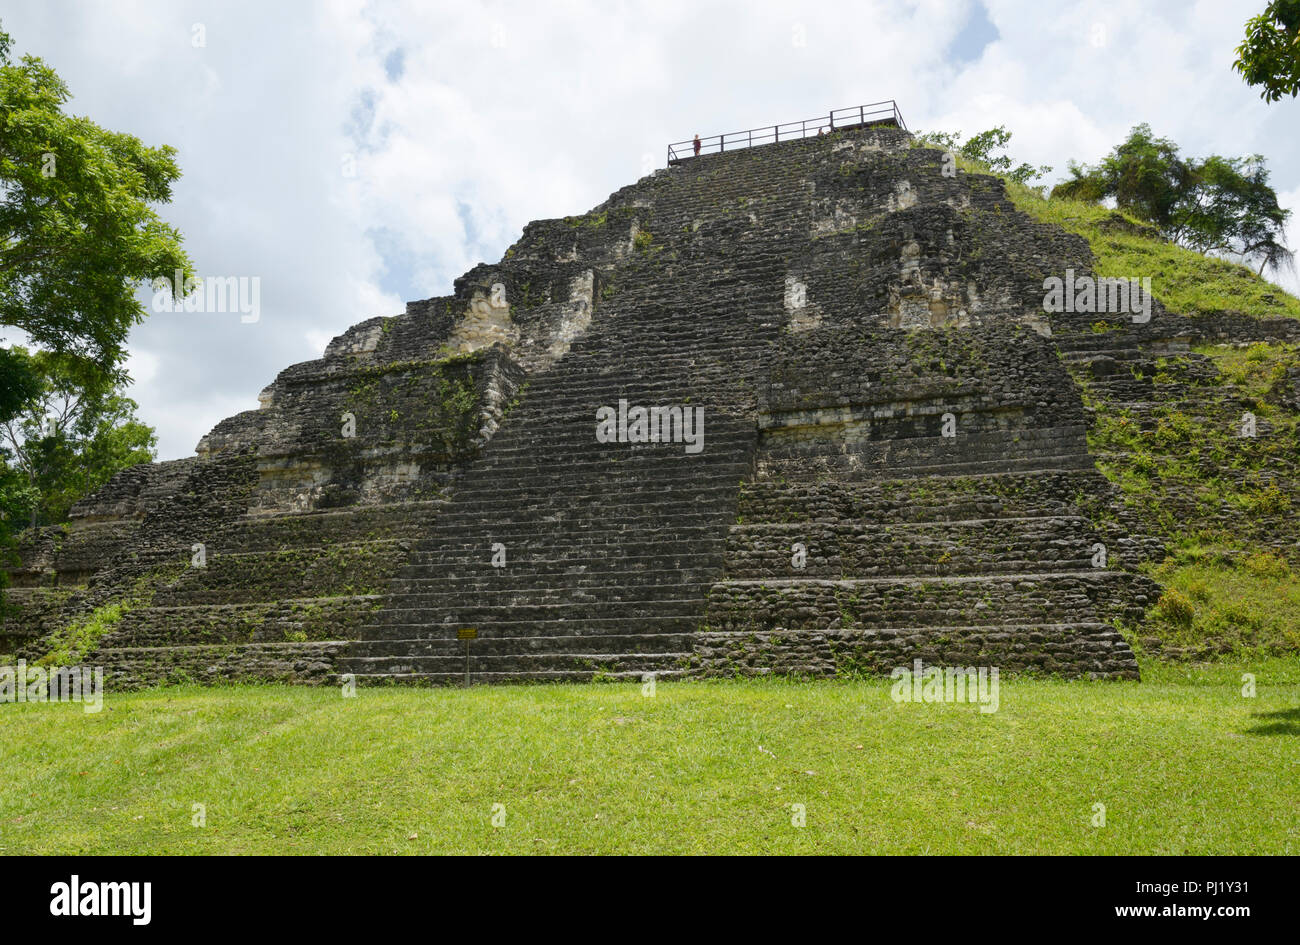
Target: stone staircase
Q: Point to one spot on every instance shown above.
(606, 565)
(610, 548)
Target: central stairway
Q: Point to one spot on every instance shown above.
(609, 548)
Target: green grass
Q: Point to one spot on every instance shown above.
(1187, 282)
(1224, 602)
(1183, 762)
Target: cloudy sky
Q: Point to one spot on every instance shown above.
(353, 155)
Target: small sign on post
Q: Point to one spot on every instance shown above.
(467, 634)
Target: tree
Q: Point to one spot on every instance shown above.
(1269, 56)
(17, 385)
(69, 439)
(78, 232)
(1145, 174)
(1215, 205)
(981, 148)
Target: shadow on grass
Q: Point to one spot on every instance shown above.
(1283, 722)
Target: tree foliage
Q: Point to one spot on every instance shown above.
(982, 148)
(1215, 205)
(69, 439)
(78, 232)
(1269, 56)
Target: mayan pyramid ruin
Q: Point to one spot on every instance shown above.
(889, 463)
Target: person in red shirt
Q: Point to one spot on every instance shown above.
(697, 145)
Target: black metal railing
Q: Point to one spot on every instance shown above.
(836, 120)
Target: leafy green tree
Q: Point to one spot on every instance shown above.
(1145, 174)
(69, 439)
(982, 148)
(78, 232)
(1215, 205)
(1269, 56)
(17, 385)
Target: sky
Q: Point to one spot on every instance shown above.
(351, 156)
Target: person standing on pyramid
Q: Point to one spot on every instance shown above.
(697, 145)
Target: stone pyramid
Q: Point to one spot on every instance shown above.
(893, 462)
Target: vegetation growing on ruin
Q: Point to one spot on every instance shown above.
(1225, 602)
(440, 396)
(1187, 282)
(644, 242)
(588, 220)
(1223, 503)
(71, 643)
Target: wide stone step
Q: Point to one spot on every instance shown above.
(505, 678)
(269, 575)
(267, 621)
(920, 499)
(489, 644)
(561, 432)
(870, 550)
(916, 465)
(1074, 648)
(558, 529)
(540, 593)
(925, 601)
(610, 463)
(542, 548)
(303, 663)
(545, 527)
(542, 455)
(407, 625)
(654, 570)
(473, 611)
(514, 663)
(321, 529)
(625, 491)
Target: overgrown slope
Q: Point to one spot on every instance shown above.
(1224, 503)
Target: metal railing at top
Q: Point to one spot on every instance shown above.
(838, 119)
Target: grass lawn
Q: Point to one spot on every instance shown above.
(1183, 762)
